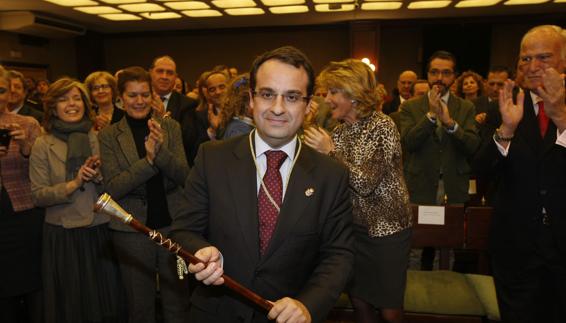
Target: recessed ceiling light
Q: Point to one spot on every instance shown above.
(520, 2)
(332, 1)
(244, 11)
(335, 7)
(98, 10)
(120, 16)
(282, 2)
(187, 5)
(142, 7)
(122, 1)
(381, 5)
(202, 13)
(160, 15)
(233, 3)
(73, 3)
(289, 9)
(429, 4)
(476, 3)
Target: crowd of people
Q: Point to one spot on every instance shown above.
(297, 186)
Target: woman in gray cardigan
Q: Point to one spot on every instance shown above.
(144, 168)
(81, 281)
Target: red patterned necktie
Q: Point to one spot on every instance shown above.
(542, 119)
(266, 210)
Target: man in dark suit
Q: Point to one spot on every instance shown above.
(268, 211)
(180, 107)
(402, 93)
(163, 73)
(16, 102)
(528, 153)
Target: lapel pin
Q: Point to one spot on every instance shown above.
(309, 192)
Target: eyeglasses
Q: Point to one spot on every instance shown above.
(444, 73)
(100, 87)
(290, 99)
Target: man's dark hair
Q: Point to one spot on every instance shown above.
(288, 55)
(132, 74)
(500, 69)
(442, 54)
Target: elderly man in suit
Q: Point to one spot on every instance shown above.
(528, 153)
(270, 212)
(439, 133)
(404, 92)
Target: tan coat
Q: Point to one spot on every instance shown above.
(47, 175)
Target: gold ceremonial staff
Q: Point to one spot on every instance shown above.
(107, 205)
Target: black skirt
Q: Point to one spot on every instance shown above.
(380, 268)
(81, 276)
(20, 251)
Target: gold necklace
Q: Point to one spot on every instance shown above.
(271, 199)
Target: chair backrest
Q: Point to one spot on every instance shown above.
(449, 235)
(478, 221)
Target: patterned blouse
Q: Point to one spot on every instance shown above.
(371, 150)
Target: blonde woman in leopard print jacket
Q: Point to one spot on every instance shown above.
(368, 143)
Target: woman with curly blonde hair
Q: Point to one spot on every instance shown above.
(368, 144)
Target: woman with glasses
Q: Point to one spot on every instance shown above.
(144, 168)
(368, 143)
(21, 223)
(235, 115)
(101, 86)
(81, 281)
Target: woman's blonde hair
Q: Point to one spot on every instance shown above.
(94, 76)
(58, 89)
(356, 80)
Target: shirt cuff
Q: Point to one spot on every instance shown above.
(453, 130)
(504, 151)
(561, 138)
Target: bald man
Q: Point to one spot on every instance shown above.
(528, 154)
(404, 84)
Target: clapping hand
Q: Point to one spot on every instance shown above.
(553, 94)
(319, 140)
(154, 140)
(511, 113)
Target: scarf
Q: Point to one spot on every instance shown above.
(78, 143)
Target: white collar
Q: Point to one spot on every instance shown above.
(261, 146)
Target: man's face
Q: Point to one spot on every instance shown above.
(17, 92)
(539, 51)
(215, 88)
(163, 76)
(405, 82)
(420, 89)
(277, 118)
(441, 74)
(42, 87)
(495, 81)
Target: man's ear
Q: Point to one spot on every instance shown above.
(308, 107)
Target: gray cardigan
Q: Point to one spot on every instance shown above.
(47, 176)
(125, 174)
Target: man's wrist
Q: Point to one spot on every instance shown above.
(431, 116)
(500, 136)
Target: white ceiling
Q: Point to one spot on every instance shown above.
(98, 24)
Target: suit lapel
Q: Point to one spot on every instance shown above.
(58, 147)
(528, 128)
(242, 183)
(173, 105)
(295, 200)
(126, 141)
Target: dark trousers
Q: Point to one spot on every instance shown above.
(141, 261)
(537, 292)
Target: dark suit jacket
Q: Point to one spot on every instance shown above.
(27, 110)
(392, 106)
(310, 255)
(428, 153)
(531, 177)
(193, 127)
(179, 103)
